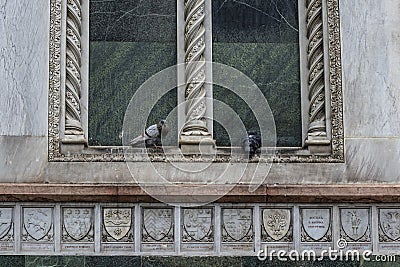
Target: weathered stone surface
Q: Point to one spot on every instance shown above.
(24, 67)
(371, 91)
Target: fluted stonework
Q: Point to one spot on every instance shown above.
(73, 122)
(195, 129)
(317, 133)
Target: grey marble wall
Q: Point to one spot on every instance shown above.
(371, 81)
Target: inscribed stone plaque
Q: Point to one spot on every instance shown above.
(37, 229)
(355, 225)
(6, 229)
(197, 229)
(117, 229)
(157, 229)
(237, 229)
(316, 225)
(276, 225)
(77, 229)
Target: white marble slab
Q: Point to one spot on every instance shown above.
(22, 159)
(371, 59)
(24, 46)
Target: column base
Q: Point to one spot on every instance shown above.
(197, 144)
(73, 144)
(318, 145)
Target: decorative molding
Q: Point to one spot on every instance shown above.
(335, 80)
(55, 80)
(55, 105)
(73, 81)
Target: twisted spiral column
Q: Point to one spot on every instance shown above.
(315, 52)
(195, 91)
(73, 124)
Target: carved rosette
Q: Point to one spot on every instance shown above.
(73, 124)
(315, 61)
(195, 91)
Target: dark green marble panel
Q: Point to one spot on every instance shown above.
(260, 38)
(255, 21)
(191, 261)
(7, 261)
(133, 20)
(54, 261)
(112, 261)
(130, 40)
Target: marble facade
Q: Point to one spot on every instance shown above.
(371, 99)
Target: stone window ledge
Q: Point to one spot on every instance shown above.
(352, 193)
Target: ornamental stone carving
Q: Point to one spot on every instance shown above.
(195, 129)
(73, 82)
(317, 132)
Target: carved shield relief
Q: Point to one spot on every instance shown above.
(276, 223)
(237, 225)
(37, 223)
(117, 222)
(197, 225)
(157, 225)
(316, 225)
(6, 221)
(355, 223)
(77, 223)
(389, 223)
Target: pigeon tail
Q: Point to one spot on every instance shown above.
(137, 140)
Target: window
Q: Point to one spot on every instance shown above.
(123, 35)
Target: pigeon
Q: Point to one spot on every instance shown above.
(152, 134)
(252, 144)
